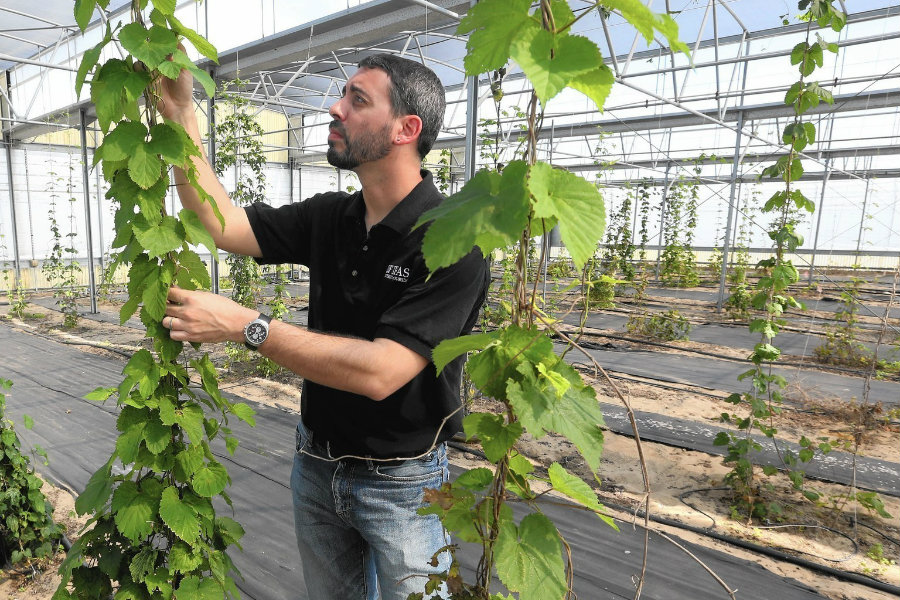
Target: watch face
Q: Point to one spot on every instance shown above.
(256, 333)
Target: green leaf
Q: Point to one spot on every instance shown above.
(143, 563)
(91, 582)
(166, 7)
(645, 21)
(202, 77)
(168, 143)
(574, 202)
(89, 60)
(144, 167)
(152, 46)
(199, 589)
(97, 491)
(798, 52)
(178, 516)
(475, 479)
(208, 378)
(595, 84)
(198, 41)
(181, 557)
(210, 480)
(158, 239)
(187, 462)
(490, 212)
(121, 142)
(84, 10)
(100, 394)
(154, 298)
(496, 436)
(115, 86)
(447, 350)
(193, 273)
(230, 530)
(134, 511)
(575, 415)
(492, 367)
(27, 421)
(493, 26)
(243, 412)
(129, 443)
(190, 418)
(579, 491)
(195, 232)
(552, 62)
(157, 436)
(529, 559)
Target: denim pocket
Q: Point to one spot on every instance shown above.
(431, 466)
(301, 438)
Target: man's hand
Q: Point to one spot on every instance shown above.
(204, 317)
(176, 95)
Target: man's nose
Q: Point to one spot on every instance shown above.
(336, 111)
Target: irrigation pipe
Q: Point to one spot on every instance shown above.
(778, 554)
(594, 346)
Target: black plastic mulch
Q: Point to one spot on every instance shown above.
(78, 435)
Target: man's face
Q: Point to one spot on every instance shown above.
(362, 128)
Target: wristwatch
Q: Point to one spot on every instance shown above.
(256, 331)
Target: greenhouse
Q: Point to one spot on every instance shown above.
(678, 364)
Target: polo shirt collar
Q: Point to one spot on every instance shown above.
(403, 216)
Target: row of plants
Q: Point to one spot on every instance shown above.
(515, 365)
(28, 534)
(239, 146)
(154, 529)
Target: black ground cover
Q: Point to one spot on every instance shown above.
(837, 466)
(732, 336)
(79, 435)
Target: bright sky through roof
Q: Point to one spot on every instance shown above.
(260, 18)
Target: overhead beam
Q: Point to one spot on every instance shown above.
(846, 103)
(361, 25)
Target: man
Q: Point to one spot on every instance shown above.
(375, 415)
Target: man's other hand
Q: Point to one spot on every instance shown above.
(197, 316)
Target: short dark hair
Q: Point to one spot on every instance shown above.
(415, 90)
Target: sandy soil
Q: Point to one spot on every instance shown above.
(679, 479)
(40, 583)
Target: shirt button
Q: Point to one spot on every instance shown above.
(353, 272)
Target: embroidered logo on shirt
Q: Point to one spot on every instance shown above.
(396, 273)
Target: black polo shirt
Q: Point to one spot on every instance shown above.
(374, 286)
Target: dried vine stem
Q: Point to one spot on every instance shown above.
(645, 476)
(648, 529)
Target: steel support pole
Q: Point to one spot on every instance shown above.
(662, 214)
(862, 219)
(211, 150)
(100, 240)
(720, 300)
(7, 141)
(812, 258)
(471, 126)
(88, 224)
(471, 121)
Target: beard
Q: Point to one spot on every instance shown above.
(366, 146)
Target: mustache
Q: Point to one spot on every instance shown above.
(338, 127)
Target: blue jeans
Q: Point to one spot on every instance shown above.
(359, 535)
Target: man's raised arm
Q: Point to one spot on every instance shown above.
(176, 104)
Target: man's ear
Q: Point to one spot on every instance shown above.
(410, 129)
